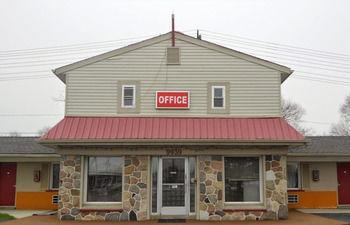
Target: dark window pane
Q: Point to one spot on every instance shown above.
(154, 183)
(218, 92)
(173, 195)
(104, 182)
(293, 177)
(55, 175)
(192, 165)
(128, 101)
(242, 182)
(173, 170)
(218, 102)
(129, 91)
(242, 191)
(128, 96)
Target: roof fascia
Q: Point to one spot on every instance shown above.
(170, 142)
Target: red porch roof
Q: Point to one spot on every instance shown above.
(172, 129)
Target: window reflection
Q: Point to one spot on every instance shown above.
(242, 182)
(104, 182)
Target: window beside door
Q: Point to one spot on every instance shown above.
(55, 176)
(243, 179)
(293, 175)
(104, 177)
(154, 171)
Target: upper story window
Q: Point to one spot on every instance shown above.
(218, 97)
(128, 96)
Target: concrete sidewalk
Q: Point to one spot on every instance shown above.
(328, 211)
(25, 213)
(342, 214)
(295, 218)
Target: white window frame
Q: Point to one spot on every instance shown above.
(133, 97)
(299, 175)
(51, 175)
(105, 204)
(261, 182)
(223, 96)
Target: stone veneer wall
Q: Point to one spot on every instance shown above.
(135, 195)
(211, 188)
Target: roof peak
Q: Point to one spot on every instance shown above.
(285, 71)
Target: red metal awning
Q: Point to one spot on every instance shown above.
(174, 129)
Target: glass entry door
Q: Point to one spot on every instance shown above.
(174, 186)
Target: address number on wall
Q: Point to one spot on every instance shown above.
(176, 151)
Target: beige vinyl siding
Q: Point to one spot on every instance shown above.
(328, 176)
(25, 173)
(254, 89)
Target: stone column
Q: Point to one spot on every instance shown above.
(135, 195)
(69, 191)
(276, 187)
(210, 187)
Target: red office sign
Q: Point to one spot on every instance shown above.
(172, 99)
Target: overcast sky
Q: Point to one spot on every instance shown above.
(41, 25)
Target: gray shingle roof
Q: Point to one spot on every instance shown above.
(23, 145)
(323, 145)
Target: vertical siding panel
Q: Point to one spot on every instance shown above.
(128, 127)
(169, 128)
(114, 129)
(142, 129)
(107, 131)
(196, 128)
(85, 134)
(101, 128)
(121, 128)
(155, 131)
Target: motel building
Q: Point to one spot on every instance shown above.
(29, 174)
(173, 127)
(318, 175)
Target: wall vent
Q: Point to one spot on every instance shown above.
(293, 199)
(173, 56)
(55, 199)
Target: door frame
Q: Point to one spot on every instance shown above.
(173, 211)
